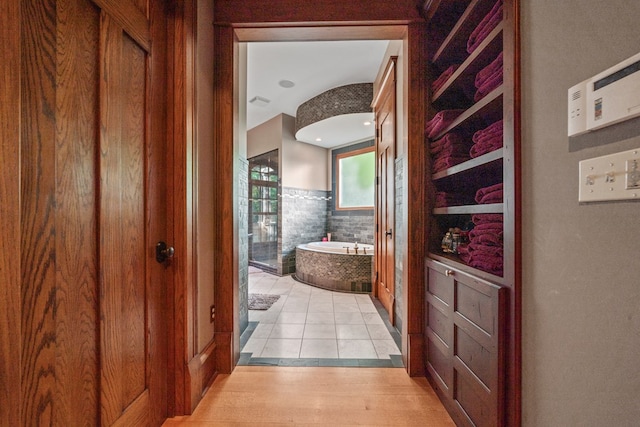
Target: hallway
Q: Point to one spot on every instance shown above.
(338, 396)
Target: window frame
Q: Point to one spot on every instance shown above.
(347, 154)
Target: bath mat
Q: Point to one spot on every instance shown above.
(262, 301)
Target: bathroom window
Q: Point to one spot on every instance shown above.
(355, 179)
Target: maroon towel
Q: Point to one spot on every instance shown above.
(478, 150)
(449, 140)
(440, 121)
(494, 239)
(487, 139)
(442, 79)
(444, 199)
(479, 219)
(491, 194)
(463, 253)
(480, 248)
(490, 70)
(489, 133)
(489, 78)
(446, 162)
(488, 227)
(489, 263)
(495, 81)
(488, 23)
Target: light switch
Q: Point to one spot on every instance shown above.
(611, 177)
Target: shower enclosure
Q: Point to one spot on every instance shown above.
(263, 210)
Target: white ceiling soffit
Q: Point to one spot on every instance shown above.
(338, 130)
(314, 67)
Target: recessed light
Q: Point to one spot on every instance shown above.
(318, 139)
(367, 123)
(287, 84)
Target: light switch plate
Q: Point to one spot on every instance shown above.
(610, 177)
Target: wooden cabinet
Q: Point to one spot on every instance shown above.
(465, 343)
(472, 326)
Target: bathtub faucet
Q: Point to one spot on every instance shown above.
(355, 246)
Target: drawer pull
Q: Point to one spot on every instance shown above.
(449, 273)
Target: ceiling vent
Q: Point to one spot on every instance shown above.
(259, 101)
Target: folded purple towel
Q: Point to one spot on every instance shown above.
(480, 219)
(480, 248)
(488, 133)
(447, 162)
(490, 70)
(489, 263)
(479, 149)
(494, 239)
(440, 121)
(442, 79)
(450, 143)
(488, 227)
(489, 193)
(488, 86)
(444, 199)
(488, 23)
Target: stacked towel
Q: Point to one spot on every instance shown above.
(448, 151)
(488, 23)
(485, 249)
(489, 78)
(487, 139)
(440, 81)
(440, 121)
(491, 194)
(444, 199)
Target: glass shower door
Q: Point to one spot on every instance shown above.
(263, 208)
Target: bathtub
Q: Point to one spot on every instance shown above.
(335, 266)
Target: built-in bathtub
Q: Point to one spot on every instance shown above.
(336, 266)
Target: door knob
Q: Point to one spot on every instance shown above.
(163, 252)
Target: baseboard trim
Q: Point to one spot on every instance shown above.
(201, 372)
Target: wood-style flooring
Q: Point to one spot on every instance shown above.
(273, 396)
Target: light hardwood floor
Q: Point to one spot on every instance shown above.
(257, 395)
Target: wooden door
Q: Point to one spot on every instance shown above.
(385, 112)
(132, 218)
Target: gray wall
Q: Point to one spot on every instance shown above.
(581, 276)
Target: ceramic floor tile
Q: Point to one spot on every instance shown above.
(372, 318)
(292, 317)
(319, 348)
(344, 307)
(356, 349)
(286, 348)
(263, 330)
(352, 332)
(349, 318)
(322, 307)
(344, 298)
(378, 332)
(367, 307)
(319, 331)
(385, 347)
(320, 318)
(254, 345)
(287, 330)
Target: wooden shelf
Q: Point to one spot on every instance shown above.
(485, 159)
(470, 209)
(454, 46)
(480, 58)
(489, 106)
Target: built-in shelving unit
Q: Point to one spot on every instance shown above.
(475, 374)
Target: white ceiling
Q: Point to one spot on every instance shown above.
(314, 67)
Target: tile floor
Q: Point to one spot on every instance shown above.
(309, 326)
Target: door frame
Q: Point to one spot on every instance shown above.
(226, 137)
